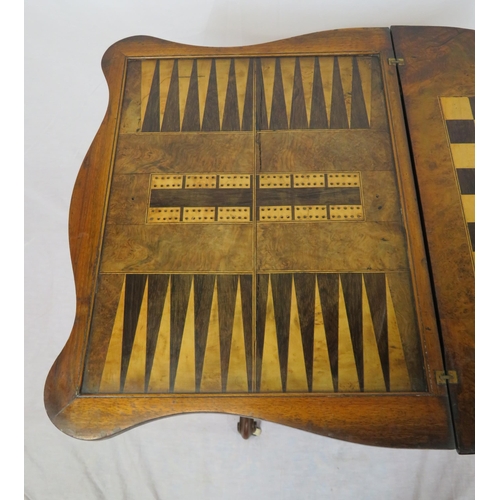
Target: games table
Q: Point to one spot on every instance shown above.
(282, 231)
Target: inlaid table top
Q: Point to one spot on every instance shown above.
(246, 239)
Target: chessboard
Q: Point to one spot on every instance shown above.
(460, 116)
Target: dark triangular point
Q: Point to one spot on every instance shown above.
(298, 115)
(247, 123)
(180, 289)
(171, 118)
(352, 286)
(211, 120)
(261, 113)
(203, 296)
(359, 118)
(191, 120)
(246, 304)
(157, 289)
(134, 293)
(227, 286)
(281, 285)
(278, 108)
(230, 118)
(328, 286)
(338, 113)
(304, 287)
(376, 292)
(262, 289)
(319, 118)
(151, 121)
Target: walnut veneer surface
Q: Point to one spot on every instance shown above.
(246, 238)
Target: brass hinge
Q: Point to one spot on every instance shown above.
(396, 62)
(442, 377)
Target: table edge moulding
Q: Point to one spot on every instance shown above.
(425, 77)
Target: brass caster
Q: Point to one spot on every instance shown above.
(248, 427)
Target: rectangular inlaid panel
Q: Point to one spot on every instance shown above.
(213, 95)
(314, 92)
(193, 333)
(254, 239)
(172, 333)
(278, 197)
(333, 332)
(459, 117)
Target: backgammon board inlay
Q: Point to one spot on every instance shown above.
(247, 238)
(205, 286)
(212, 95)
(184, 333)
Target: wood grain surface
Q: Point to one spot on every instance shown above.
(253, 246)
(438, 89)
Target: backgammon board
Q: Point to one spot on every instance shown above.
(247, 237)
